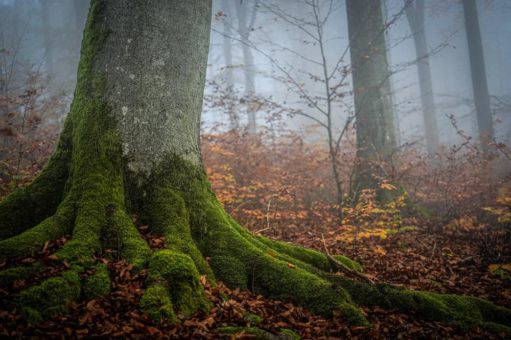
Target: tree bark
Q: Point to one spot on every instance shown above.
(244, 28)
(47, 36)
(478, 70)
(371, 87)
(130, 145)
(415, 16)
(227, 47)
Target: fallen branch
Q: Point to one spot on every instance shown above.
(342, 267)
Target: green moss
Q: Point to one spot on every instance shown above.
(289, 334)
(31, 315)
(97, 284)
(157, 305)
(30, 205)
(252, 319)
(9, 275)
(178, 271)
(33, 239)
(466, 310)
(405, 229)
(230, 270)
(309, 256)
(233, 249)
(121, 235)
(51, 297)
(257, 333)
(349, 263)
(167, 215)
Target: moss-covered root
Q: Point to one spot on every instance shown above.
(309, 256)
(33, 239)
(257, 333)
(30, 205)
(173, 275)
(121, 235)
(238, 258)
(466, 310)
(156, 303)
(98, 284)
(239, 262)
(51, 297)
(10, 275)
(167, 215)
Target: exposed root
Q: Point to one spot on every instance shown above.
(30, 205)
(181, 206)
(177, 273)
(120, 235)
(33, 239)
(167, 214)
(97, 284)
(51, 297)
(156, 303)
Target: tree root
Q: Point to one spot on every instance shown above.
(180, 205)
(30, 205)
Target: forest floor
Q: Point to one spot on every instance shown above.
(441, 261)
(281, 190)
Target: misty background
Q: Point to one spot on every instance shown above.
(262, 60)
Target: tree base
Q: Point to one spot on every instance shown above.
(178, 204)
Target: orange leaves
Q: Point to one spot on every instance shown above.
(277, 186)
(386, 185)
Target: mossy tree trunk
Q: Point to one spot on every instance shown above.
(372, 92)
(131, 145)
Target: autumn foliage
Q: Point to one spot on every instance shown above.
(446, 229)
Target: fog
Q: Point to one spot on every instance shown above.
(42, 38)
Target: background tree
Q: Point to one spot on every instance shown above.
(478, 71)
(245, 27)
(371, 87)
(131, 145)
(321, 106)
(48, 40)
(415, 16)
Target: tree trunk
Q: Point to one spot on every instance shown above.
(244, 28)
(227, 47)
(131, 145)
(415, 16)
(371, 87)
(47, 37)
(477, 67)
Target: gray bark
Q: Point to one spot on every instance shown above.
(415, 16)
(244, 28)
(370, 71)
(227, 47)
(477, 67)
(47, 37)
(156, 103)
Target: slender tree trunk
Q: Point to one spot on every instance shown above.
(371, 87)
(245, 27)
(227, 47)
(478, 70)
(47, 38)
(415, 16)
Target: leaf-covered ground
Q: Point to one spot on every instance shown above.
(438, 261)
(282, 188)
